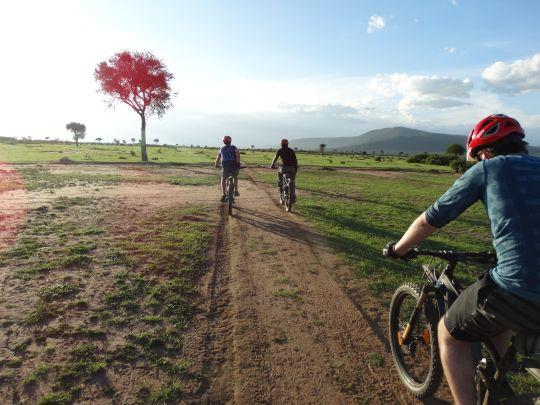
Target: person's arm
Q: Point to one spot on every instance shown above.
(275, 159)
(218, 160)
(237, 154)
(468, 189)
(419, 230)
(295, 161)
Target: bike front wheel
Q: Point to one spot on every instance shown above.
(417, 359)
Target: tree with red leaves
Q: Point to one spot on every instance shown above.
(141, 81)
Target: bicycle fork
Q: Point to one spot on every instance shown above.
(403, 338)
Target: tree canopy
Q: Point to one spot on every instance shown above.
(139, 80)
(78, 130)
(455, 149)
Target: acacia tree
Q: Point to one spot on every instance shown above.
(99, 140)
(141, 81)
(78, 130)
(321, 147)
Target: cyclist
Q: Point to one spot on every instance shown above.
(229, 158)
(289, 165)
(507, 181)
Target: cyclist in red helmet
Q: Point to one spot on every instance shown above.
(289, 165)
(229, 159)
(507, 298)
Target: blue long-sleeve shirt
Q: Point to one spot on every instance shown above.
(509, 187)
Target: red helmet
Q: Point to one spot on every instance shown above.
(490, 130)
(284, 142)
(227, 139)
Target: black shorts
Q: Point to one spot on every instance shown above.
(229, 169)
(484, 310)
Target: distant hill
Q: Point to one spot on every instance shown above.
(390, 140)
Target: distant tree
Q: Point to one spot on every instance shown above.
(296, 148)
(78, 130)
(133, 141)
(46, 138)
(455, 149)
(156, 140)
(99, 140)
(321, 147)
(382, 152)
(124, 141)
(116, 141)
(140, 80)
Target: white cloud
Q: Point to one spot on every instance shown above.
(454, 2)
(376, 22)
(417, 91)
(450, 49)
(520, 76)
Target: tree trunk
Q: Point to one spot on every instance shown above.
(144, 156)
(76, 142)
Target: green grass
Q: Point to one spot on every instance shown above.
(282, 293)
(58, 292)
(56, 398)
(91, 153)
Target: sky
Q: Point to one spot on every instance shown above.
(261, 70)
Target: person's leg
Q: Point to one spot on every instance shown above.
(223, 184)
(458, 364)
(280, 180)
(236, 193)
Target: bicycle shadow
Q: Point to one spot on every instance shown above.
(278, 226)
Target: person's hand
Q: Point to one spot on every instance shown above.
(390, 252)
(272, 166)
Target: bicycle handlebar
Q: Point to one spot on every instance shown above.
(448, 255)
(454, 257)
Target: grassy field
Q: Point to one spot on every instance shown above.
(93, 292)
(94, 153)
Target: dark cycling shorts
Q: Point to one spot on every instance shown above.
(483, 310)
(229, 169)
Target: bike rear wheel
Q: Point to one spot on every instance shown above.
(417, 361)
(230, 195)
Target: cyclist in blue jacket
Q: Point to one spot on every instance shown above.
(507, 298)
(229, 159)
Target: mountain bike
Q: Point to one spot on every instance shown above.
(287, 190)
(414, 315)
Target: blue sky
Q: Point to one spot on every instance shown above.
(260, 70)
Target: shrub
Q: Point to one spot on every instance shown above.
(458, 165)
(419, 158)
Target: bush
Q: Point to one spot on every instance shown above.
(419, 158)
(458, 165)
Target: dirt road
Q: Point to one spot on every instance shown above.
(281, 329)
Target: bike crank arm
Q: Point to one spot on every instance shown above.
(404, 337)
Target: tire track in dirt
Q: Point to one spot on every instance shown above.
(292, 334)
